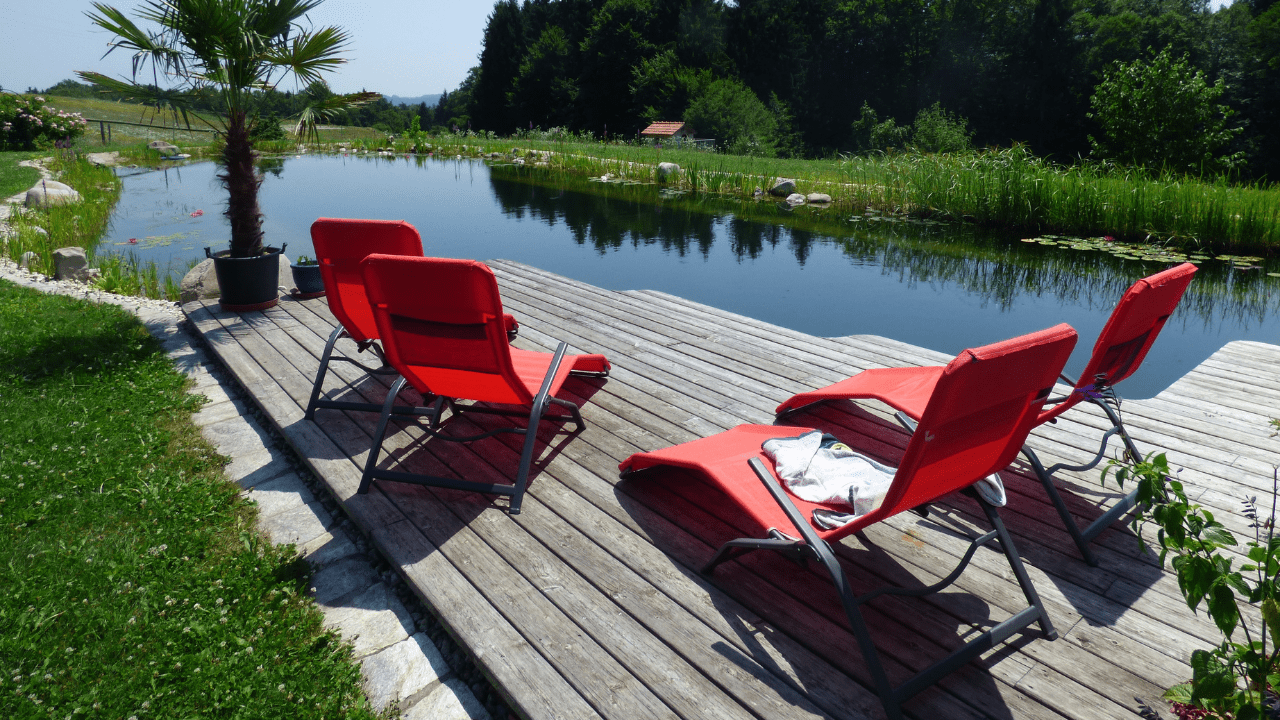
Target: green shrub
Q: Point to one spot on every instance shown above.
(1162, 115)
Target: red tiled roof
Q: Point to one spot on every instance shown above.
(663, 129)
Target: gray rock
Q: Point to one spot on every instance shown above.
(106, 159)
(402, 671)
(70, 263)
(371, 620)
(782, 187)
(51, 192)
(285, 493)
(451, 700)
(200, 283)
(164, 147)
(818, 198)
(341, 579)
(795, 199)
(667, 169)
(757, 192)
(28, 257)
(297, 526)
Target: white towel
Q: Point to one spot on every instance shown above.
(830, 472)
(833, 474)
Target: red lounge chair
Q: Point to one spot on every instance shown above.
(442, 328)
(982, 407)
(1119, 350)
(340, 245)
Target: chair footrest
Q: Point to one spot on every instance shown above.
(444, 482)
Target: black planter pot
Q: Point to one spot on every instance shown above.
(248, 284)
(307, 280)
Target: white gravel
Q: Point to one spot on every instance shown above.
(10, 271)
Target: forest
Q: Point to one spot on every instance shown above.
(1068, 79)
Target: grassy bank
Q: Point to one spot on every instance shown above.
(134, 582)
(82, 224)
(1006, 188)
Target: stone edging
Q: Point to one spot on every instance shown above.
(407, 658)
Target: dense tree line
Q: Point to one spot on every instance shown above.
(816, 76)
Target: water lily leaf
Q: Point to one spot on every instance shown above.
(1273, 274)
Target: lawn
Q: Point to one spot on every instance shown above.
(134, 581)
(15, 179)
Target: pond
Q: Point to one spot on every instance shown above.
(824, 272)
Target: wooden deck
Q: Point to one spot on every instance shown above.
(588, 603)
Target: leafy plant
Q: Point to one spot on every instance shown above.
(305, 260)
(26, 123)
(1233, 678)
(231, 50)
(1162, 114)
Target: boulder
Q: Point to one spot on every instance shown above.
(757, 192)
(51, 192)
(201, 282)
(667, 169)
(70, 263)
(164, 147)
(795, 199)
(105, 159)
(782, 187)
(818, 198)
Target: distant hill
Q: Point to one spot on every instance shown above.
(430, 100)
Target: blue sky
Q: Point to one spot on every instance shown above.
(398, 47)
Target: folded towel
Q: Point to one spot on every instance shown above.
(819, 468)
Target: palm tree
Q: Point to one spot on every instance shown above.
(228, 51)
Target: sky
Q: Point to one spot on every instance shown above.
(398, 47)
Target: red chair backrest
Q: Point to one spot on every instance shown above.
(979, 415)
(340, 246)
(441, 326)
(1130, 331)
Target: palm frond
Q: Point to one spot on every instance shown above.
(320, 110)
(310, 54)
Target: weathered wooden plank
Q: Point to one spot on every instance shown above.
(530, 684)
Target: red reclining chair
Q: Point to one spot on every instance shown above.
(982, 406)
(1118, 352)
(340, 245)
(442, 329)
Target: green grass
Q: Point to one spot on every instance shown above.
(133, 581)
(15, 179)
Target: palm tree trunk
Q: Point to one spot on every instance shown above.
(241, 181)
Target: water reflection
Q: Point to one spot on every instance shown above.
(993, 266)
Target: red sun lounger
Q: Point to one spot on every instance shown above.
(442, 329)
(340, 245)
(1123, 344)
(982, 406)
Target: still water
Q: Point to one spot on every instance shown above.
(944, 287)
